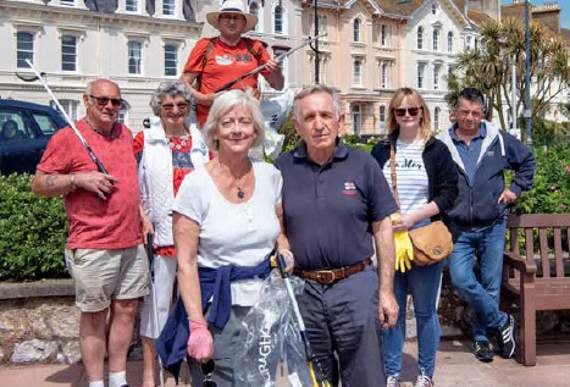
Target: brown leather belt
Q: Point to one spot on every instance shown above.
(326, 277)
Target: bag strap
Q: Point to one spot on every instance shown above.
(393, 174)
(209, 49)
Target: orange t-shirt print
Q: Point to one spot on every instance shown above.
(224, 64)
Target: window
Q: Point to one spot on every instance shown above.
(357, 72)
(356, 30)
(168, 7)
(356, 119)
(434, 9)
(436, 114)
(254, 10)
(436, 77)
(322, 23)
(468, 43)
(384, 35)
(135, 56)
(420, 38)
(435, 39)
(69, 53)
(123, 117)
(450, 41)
(132, 5)
(67, 2)
(420, 76)
(384, 84)
(170, 60)
(382, 113)
(45, 123)
(13, 127)
(277, 51)
(70, 107)
(278, 20)
(25, 47)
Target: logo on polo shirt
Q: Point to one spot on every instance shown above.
(349, 188)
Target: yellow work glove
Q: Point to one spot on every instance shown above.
(403, 248)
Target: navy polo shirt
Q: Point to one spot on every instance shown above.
(328, 210)
(469, 153)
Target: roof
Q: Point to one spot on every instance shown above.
(399, 7)
(478, 17)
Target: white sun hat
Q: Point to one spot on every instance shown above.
(232, 7)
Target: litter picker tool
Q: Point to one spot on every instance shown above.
(40, 77)
(278, 59)
(150, 255)
(315, 371)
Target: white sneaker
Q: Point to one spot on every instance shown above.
(392, 381)
(423, 381)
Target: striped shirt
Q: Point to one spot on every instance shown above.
(412, 179)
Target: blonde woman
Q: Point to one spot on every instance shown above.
(427, 186)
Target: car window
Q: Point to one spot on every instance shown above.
(13, 127)
(45, 122)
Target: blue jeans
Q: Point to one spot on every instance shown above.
(423, 282)
(476, 266)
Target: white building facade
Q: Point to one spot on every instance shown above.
(435, 33)
(73, 45)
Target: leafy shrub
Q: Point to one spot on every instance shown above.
(32, 232)
(551, 189)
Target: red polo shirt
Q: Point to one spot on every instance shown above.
(94, 223)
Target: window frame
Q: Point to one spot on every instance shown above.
(75, 53)
(420, 75)
(420, 38)
(140, 63)
(166, 60)
(356, 30)
(283, 28)
(30, 53)
(357, 68)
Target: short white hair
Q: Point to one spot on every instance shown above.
(314, 90)
(227, 102)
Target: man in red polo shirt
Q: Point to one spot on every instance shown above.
(216, 61)
(103, 253)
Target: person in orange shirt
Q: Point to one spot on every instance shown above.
(216, 61)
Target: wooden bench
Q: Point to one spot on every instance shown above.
(538, 278)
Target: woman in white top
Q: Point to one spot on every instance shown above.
(426, 179)
(227, 220)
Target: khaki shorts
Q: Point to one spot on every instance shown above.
(103, 275)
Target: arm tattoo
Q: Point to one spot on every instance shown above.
(50, 181)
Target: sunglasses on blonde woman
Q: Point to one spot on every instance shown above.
(412, 111)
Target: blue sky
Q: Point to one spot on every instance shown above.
(564, 6)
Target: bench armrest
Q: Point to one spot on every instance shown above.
(516, 262)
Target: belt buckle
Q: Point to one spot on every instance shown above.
(326, 277)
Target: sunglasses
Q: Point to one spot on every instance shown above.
(412, 111)
(208, 369)
(170, 106)
(103, 101)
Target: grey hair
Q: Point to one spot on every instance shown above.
(90, 84)
(226, 102)
(314, 90)
(170, 89)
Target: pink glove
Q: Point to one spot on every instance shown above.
(200, 343)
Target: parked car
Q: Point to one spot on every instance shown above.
(25, 129)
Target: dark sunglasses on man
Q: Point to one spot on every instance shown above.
(412, 111)
(103, 101)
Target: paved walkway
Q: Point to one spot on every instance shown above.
(456, 366)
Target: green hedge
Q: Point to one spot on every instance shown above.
(32, 232)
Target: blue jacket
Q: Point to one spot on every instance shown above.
(214, 285)
(476, 205)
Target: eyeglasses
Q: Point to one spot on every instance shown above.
(170, 106)
(208, 369)
(475, 114)
(103, 101)
(412, 111)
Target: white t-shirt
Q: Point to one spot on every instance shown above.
(412, 179)
(233, 234)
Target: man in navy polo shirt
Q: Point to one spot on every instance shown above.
(482, 153)
(336, 202)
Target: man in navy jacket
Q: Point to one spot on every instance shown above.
(478, 218)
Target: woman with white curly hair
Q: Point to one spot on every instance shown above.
(166, 153)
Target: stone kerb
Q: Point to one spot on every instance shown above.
(39, 322)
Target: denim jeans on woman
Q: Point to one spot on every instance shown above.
(423, 283)
(476, 266)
